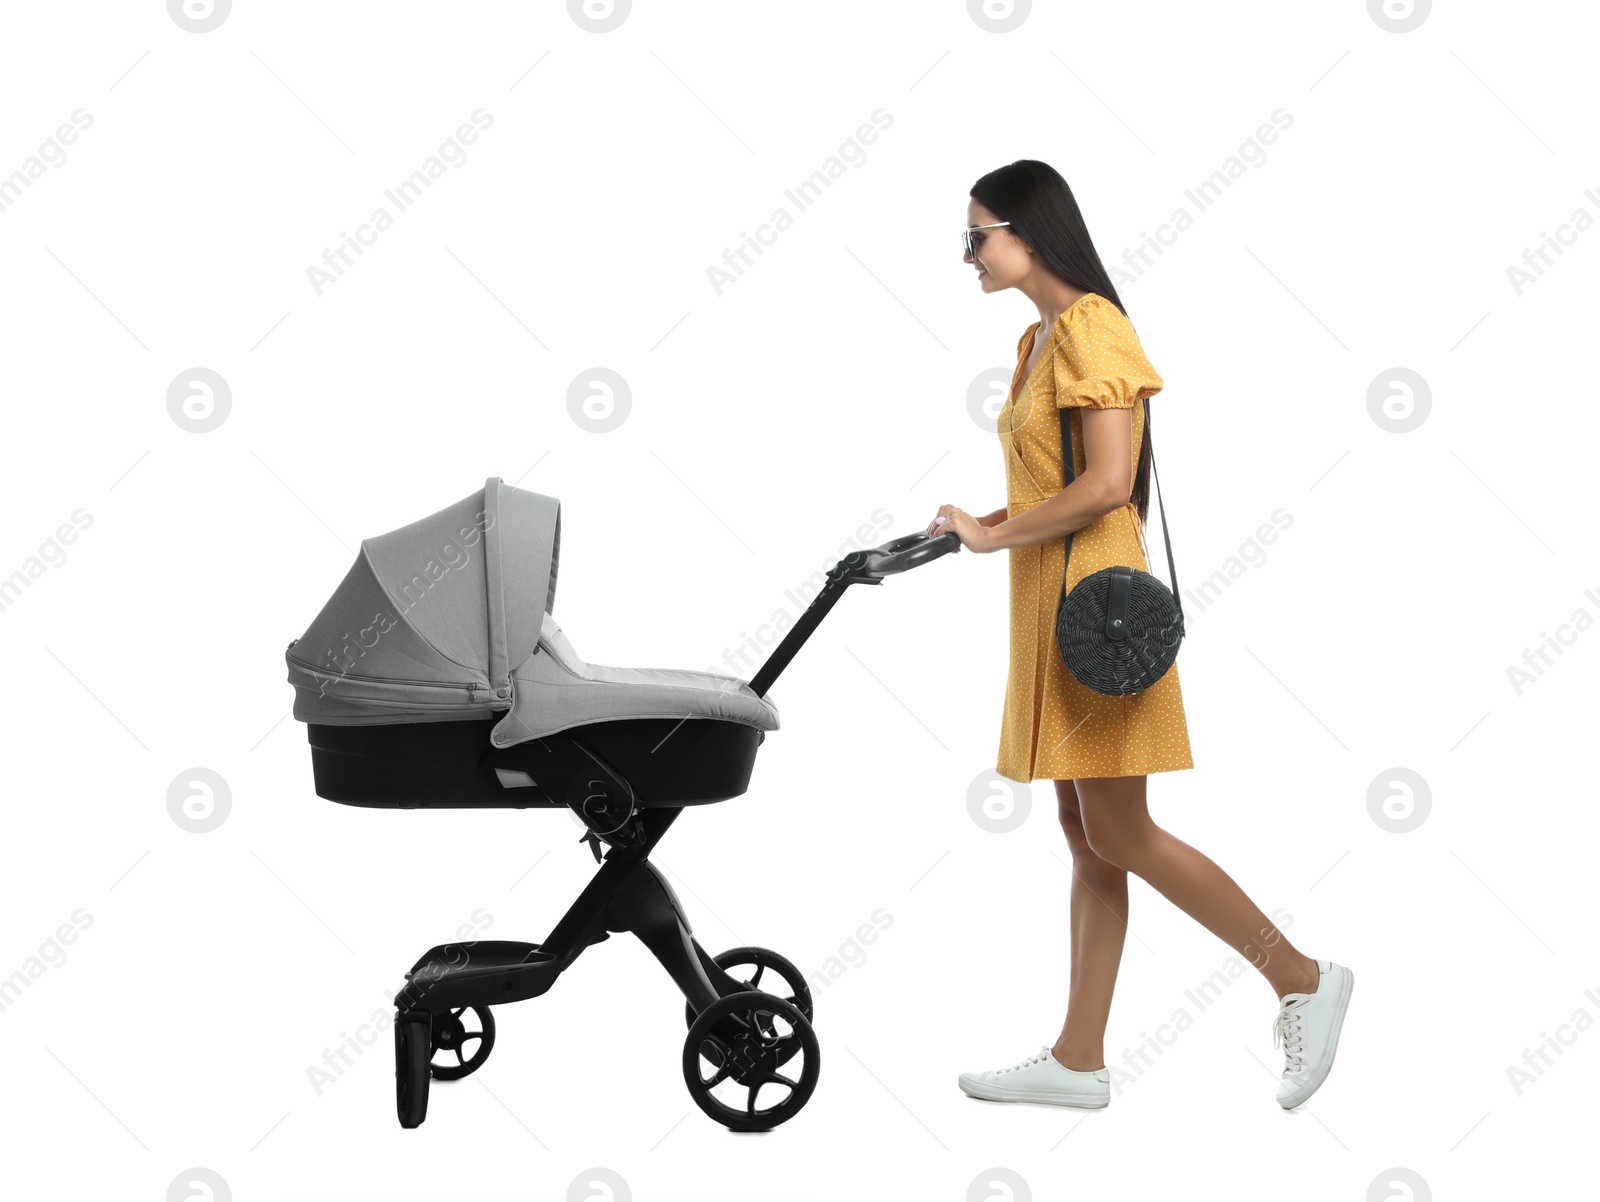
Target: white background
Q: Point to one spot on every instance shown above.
(767, 424)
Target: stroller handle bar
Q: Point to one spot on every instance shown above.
(899, 555)
(858, 567)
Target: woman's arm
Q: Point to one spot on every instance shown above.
(1105, 485)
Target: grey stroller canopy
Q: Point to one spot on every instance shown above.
(448, 619)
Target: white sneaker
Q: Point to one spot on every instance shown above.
(1041, 1078)
(1307, 1027)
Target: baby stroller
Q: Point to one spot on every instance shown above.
(435, 676)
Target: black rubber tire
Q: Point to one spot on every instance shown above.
(447, 1039)
(738, 1034)
(412, 1047)
(798, 995)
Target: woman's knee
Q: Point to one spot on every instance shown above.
(1119, 840)
(1122, 844)
(1116, 825)
(1072, 825)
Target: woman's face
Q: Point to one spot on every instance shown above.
(1002, 259)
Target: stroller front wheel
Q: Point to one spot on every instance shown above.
(743, 1038)
(412, 1047)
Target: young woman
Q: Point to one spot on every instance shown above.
(1024, 231)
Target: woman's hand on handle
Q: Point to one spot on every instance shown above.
(953, 520)
(987, 520)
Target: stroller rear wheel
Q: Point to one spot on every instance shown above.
(411, 1050)
(453, 1038)
(760, 959)
(740, 1038)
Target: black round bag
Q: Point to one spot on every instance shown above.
(1119, 629)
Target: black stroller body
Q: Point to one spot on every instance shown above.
(436, 677)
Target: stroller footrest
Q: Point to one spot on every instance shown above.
(436, 985)
(483, 951)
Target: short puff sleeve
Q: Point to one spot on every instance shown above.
(1099, 362)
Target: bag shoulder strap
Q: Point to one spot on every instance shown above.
(1069, 473)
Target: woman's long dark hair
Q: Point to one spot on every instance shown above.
(1042, 211)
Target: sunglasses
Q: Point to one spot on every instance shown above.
(971, 244)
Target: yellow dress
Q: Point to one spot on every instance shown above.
(1054, 727)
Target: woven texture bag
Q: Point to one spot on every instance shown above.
(1118, 630)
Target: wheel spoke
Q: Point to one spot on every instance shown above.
(773, 1077)
(755, 1090)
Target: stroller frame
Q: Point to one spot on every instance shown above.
(626, 893)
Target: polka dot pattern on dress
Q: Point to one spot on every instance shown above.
(1053, 727)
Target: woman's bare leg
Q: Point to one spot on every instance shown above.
(1099, 918)
(1119, 830)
